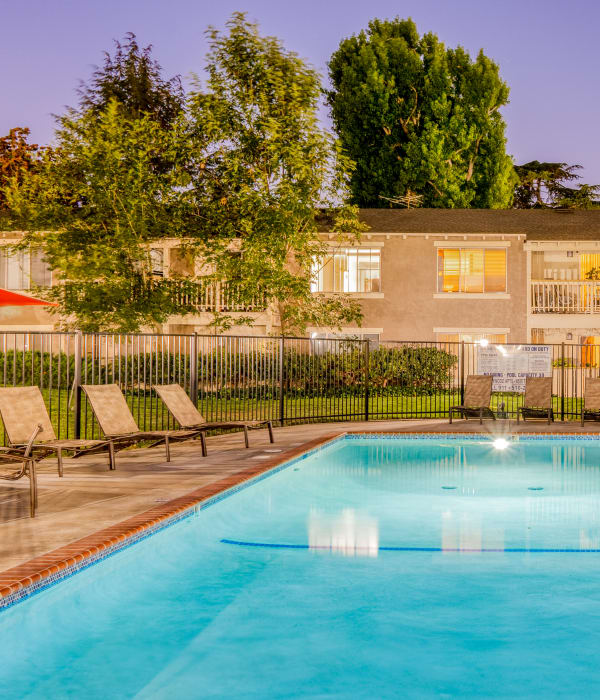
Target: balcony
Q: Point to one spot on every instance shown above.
(222, 298)
(565, 297)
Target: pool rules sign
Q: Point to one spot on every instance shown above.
(511, 364)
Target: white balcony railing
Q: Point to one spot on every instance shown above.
(561, 297)
(213, 297)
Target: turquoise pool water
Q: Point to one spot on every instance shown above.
(375, 568)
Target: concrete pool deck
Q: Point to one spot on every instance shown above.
(89, 498)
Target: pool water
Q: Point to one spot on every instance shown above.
(374, 568)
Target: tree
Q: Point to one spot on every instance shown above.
(17, 156)
(416, 116)
(265, 173)
(134, 79)
(95, 203)
(241, 178)
(543, 185)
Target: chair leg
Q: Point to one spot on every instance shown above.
(203, 443)
(449, 415)
(32, 488)
(59, 458)
(246, 440)
(549, 416)
(167, 448)
(582, 417)
(481, 416)
(270, 428)
(111, 455)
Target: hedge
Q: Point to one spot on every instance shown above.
(402, 370)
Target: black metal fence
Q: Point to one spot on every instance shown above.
(287, 380)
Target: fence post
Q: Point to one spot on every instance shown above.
(194, 369)
(562, 382)
(462, 372)
(77, 383)
(367, 378)
(281, 381)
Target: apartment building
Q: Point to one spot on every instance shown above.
(448, 275)
(419, 274)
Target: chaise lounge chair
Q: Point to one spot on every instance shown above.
(538, 399)
(478, 392)
(22, 409)
(187, 415)
(118, 424)
(591, 400)
(11, 456)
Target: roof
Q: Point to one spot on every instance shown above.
(537, 224)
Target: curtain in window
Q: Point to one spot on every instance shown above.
(495, 270)
(471, 270)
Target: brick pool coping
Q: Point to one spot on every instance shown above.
(21, 581)
(25, 579)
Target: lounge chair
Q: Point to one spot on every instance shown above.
(22, 409)
(187, 415)
(13, 456)
(118, 424)
(591, 400)
(476, 404)
(538, 399)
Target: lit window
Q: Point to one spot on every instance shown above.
(322, 343)
(471, 337)
(472, 270)
(348, 270)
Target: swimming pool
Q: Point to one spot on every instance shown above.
(374, 567)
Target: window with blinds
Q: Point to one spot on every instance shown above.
(348, 270)
(472, 270)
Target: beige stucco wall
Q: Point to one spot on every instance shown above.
(26, 318)
(409, 310)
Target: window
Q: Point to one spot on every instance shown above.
(321, 343)
(471, 337)
(348, 270)
(157, 262)
(472, 270)
(24, 269)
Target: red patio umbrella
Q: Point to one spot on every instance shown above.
(8, 298)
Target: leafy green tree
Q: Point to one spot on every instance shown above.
(418, 117)
(17, 156)
(242, 178)
(544, 185)
(265, 173)
(134, 79)
(95, 203)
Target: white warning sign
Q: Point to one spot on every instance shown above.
(510, 365)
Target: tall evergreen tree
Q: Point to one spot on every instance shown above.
(546, 185)
(417, 117)
(134, 79)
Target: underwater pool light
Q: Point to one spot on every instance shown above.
(500, 443)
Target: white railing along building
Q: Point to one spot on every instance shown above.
(214, 297)
(565, 297)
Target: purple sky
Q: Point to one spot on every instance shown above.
(548, 52)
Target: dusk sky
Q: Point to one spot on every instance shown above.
(548, 52)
